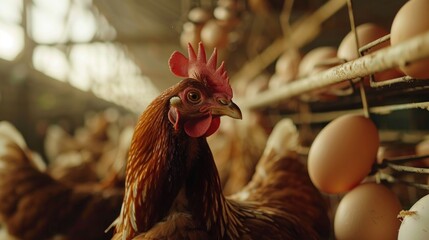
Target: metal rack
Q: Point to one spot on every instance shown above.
(375, 98)
(384, 59)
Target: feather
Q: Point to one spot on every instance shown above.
(176, 173)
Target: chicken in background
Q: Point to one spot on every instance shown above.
(58, 141)
(172, 185)
(238, 145)
(97, 151)
(34, 205)
(281, 171)
(236, 149)
(110, 167)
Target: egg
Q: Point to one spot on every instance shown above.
(312, 62)
(214, 35)
(410, 21)
(368, 212)
(315, 61)
(288, 62)
(366, 33)
(286, 68)
(277, 80)
(199, 15)
(343, 153)
(422, 148)
(226, 17)
(415, 222)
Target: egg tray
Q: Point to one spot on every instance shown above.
(316, 90)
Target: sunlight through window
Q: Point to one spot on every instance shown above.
(74, 44)
(11, 33)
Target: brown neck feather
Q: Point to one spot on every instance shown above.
(161, 163)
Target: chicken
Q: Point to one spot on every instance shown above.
(96, 152)
(172, 185)
(36, 206)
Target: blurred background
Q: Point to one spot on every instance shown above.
(76, 74)
(61, 59)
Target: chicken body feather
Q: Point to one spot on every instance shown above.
(36, 206)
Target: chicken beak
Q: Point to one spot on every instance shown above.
(227, 109)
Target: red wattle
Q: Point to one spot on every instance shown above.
(213, 127)
(198, 127)
(204, 126)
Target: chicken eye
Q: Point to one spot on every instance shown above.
(194, 97)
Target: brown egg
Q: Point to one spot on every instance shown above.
(343, 153)
(315, 61)
(227, 17)
(278, 79)
(410, 21)
(422, 148)
(368, 212)
(224, 14)
(286, 68)
(312, 62)
(288, 62)
(214, 35)
(367, 33)
(199, 15)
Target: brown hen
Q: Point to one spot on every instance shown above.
(36, 206)
(173, 189)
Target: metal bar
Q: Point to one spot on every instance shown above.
(372, 44)
(391, 179)
(356, 38)
(397, 107)
(328, 116)
(389, 82)
(409, 169)
(399, 55)
(404, 159)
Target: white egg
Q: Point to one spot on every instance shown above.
(415, 222)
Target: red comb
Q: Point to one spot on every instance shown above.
(197, 65)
